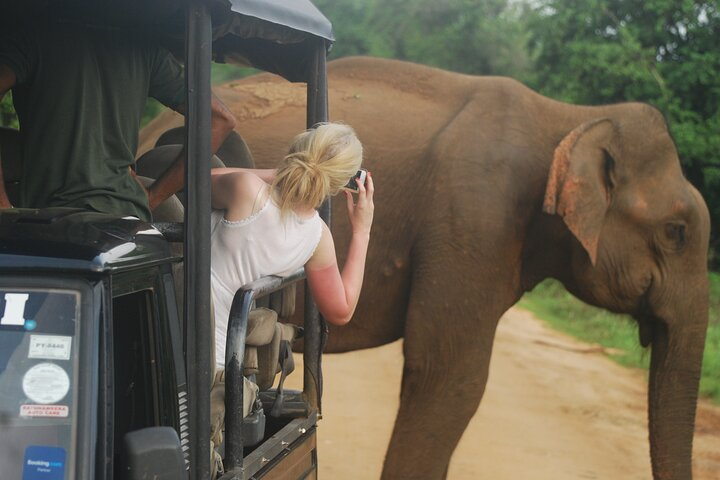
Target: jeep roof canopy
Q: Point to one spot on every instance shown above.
(272, 35)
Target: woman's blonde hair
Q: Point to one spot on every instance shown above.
(321, 161)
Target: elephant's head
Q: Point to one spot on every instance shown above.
(642, 238)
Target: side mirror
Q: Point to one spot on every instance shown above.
(154, 452)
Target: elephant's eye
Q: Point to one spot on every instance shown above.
(675, 232)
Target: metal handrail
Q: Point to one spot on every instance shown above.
(234, 356)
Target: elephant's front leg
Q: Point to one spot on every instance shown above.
(447, 354)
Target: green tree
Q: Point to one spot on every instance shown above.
(8, 118)
(664, 52)
(470, 36)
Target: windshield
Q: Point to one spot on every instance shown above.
(38, 382)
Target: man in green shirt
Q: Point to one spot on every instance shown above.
(80, 92)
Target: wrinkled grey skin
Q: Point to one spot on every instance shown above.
(483, 189)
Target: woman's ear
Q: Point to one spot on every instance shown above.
(581, 179)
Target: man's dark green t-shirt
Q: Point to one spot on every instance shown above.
(80, 95)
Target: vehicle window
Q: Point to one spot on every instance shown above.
(134, 365)
(39, 333)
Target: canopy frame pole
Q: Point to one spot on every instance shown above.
(315, 327)
(198, 56)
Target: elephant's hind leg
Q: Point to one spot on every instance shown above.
(447, 354)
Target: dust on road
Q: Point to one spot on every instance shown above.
(554, 409)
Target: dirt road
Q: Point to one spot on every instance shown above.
(554, 409)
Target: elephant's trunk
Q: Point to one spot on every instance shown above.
(677, 350)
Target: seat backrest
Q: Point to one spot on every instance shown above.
(153, 163)
(234, 152)
(11, 161)
(263, 346)
(283, 301)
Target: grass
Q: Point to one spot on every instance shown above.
(618, 333)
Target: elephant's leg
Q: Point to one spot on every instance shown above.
(447, 353)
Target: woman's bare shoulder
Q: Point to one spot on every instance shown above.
(245, 192)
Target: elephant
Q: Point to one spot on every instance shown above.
(483, 189)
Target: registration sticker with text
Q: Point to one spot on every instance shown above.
(51, 347)
(55, 411)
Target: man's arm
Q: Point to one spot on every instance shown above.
(7, 81)
(173, 179)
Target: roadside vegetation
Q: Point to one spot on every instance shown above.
(617, 334)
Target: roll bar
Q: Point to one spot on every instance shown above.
(196, 249)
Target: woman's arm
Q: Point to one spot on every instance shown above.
(336, 293)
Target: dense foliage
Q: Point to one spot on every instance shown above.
(470, 36)
(664, 52)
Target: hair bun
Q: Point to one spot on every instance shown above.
(320, 162)
(303, 161)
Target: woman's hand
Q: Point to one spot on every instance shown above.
(335, 292)
(361, 213)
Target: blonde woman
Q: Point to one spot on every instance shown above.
(264, 222)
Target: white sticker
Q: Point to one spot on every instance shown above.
(46, 383)
(57, 411)
(50, 347)
(14, 309)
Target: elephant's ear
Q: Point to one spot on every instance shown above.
(580, 180)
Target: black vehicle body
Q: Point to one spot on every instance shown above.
(114, 383)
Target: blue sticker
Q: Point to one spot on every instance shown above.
(44, 463)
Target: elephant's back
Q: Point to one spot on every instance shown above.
(413, 78)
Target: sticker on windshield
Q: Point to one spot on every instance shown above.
(44, 463)
(50, 347)
(46, 383)
(46, 411)
(14, 313)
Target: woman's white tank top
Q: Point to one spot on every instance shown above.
(241, 252)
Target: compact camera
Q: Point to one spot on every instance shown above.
(358, 178)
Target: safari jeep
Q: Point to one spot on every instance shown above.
(101, 376)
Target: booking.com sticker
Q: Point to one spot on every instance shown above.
(44, 463)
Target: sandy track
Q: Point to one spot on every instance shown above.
(555, 408)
